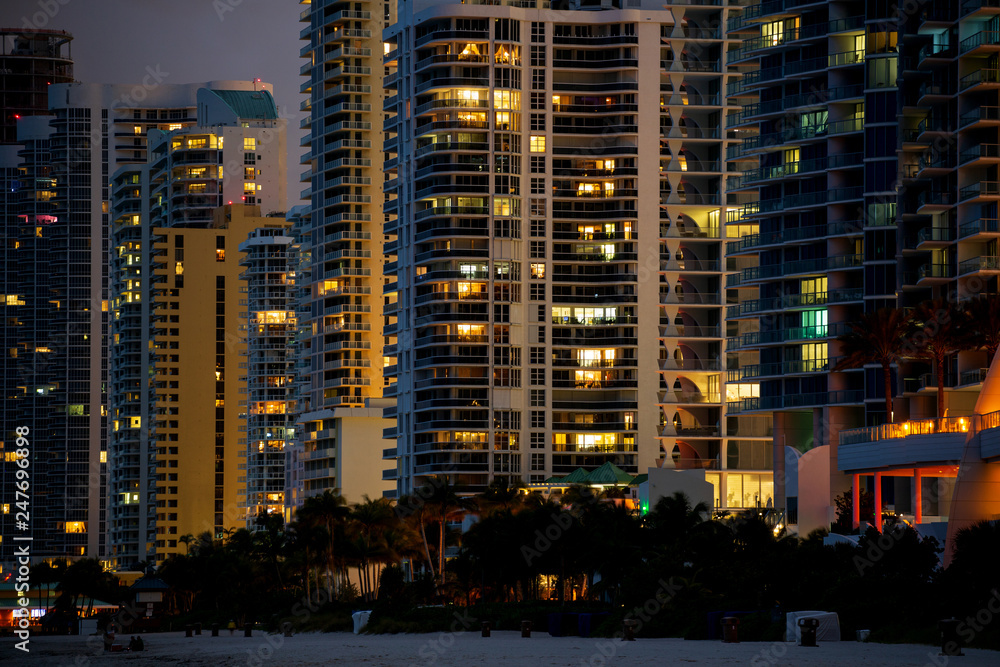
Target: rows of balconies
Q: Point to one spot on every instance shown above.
(799, 400)
(792, 301)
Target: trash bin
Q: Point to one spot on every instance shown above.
(248, 630)
(951, 643)
(215, 629)
(486, 628)
(555, 624)
(628, 629)
(197, 629)
(807, 631)
(526, 629)
(730, 630)
(188, 630)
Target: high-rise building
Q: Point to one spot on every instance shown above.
(171, 244)
(810, 87)
(946, 240)
(341, 376)
(59, 317)
(559, 277)
(269, 277)
(867, 146)
(30, 62)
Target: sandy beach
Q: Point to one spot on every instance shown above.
(442, 649)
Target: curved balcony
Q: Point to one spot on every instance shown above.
(446, 35)
(463, 59)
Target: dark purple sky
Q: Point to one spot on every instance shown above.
(191, 40)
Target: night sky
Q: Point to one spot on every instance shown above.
(191, 40)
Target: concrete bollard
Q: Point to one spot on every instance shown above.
(197, 629)
(188, 630)
(730, 630)
(215, 629)
(628, 629)
(248, 630)
(526, 629)
(486, 628)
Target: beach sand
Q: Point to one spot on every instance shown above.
(468, 648)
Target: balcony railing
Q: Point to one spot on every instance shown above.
(981, 38)
(983, 226)
(984, 263)
(980, 76)
(896, 431)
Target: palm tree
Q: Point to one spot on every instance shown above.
(939, 329)
(984, 316)
(370, 519)
(876, 338)
(310, 539)
(447, 504)
(329, 510)
(417, 512)
(501, 496)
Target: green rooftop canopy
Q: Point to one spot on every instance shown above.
(578, 476)
(609, 473)
(639, 479)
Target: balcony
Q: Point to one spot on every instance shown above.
(980, 190)
(983, 227)
(987, 153)
(984, 264)
(981, 77)
(796, 401)
(934, 273)
(985, 38)
(909, 444)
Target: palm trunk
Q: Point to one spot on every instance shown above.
(939, 361)
(308, 574)
(441, 550)
(887, 377)
(427, 549)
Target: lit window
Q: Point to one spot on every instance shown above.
(104, 457)
(249, 144)
(538, 271)
(135, 422)
(537, 143)
(76, 527)
(220, 255)
(272, 317)
(501, 206)
(137, 129)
